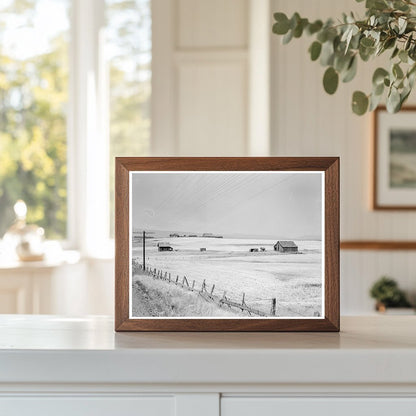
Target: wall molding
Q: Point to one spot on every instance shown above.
(377, 245)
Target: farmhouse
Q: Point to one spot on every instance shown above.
(174, 235)
(286, 247)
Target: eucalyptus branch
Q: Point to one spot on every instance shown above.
(389, 25)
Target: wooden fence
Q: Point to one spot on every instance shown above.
(206, 291)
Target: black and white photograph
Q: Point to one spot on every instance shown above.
(227, 244)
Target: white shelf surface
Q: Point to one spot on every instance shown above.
(53, 349)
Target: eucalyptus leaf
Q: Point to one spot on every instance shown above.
(315, 50)
(327, 53)
(314, 27)
(408, 42)
(374, 102)
(403, 56)
(379, 75)
(393, 101)
(281, 27)
(359, 103)
(395, 52)
(351, 70)
(330, 80)
(288, 37)
(378, 89)
(397, 71)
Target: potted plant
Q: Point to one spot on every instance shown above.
(389, 27)
(387, 294)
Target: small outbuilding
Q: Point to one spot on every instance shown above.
(286, 247)
(254, 250)
(165, 247)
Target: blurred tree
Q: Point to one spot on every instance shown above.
(33, 96)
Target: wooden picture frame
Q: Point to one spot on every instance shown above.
(138, 170)
(394, 184)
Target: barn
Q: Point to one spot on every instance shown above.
(164, 247)
(286, 247)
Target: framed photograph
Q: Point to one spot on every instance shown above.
(394, 183)
(227, 244)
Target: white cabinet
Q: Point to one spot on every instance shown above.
(88, 406)
(272, 406)
(80, 367)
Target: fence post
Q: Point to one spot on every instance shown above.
(166, 275)
(177, 278)
(243, 302)
(273, 311)
(193, 285)
(212, 290)
(169, 277)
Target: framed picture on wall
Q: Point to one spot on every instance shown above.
(227, 244)
(394, 179)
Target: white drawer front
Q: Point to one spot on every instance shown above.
(272, 406)
(87, 406)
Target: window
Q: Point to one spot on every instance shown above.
(33, 98)
(129, 46)
(75, 87)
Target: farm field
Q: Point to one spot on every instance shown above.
(295, 280)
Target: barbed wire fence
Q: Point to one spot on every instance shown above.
(206, 291)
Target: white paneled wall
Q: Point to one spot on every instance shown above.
(305, 121)
(202, 109)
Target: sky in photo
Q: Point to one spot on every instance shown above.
(269, 204)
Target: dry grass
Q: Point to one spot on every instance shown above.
(154, 297)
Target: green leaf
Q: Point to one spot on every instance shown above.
(389, 43)
(403, 56)
(351, 71)
(298, 30)
(288, 37)
(393, 101)
(374, 102)
(327, 53)
(330, 80)
(315, 50)
(397, 71)
(379, 75)
(367, 42)
(395, 52)
(402, 24)
(408, 42)
(281, 27)
(376, 4)
(359, 103)
(378, 89)
(314, 27)
(341, 61)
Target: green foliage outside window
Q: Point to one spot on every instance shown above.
(33, 99)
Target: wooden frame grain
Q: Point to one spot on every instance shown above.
(329, 165)
(376, 205)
